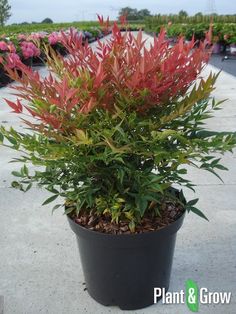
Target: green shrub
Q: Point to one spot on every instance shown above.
(114, 130)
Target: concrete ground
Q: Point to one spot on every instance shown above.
(228, 65)
(40, 270)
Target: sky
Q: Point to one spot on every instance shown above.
(79, 10)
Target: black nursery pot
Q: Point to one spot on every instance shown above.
(38, 61)
(4, 78)
(28, 61)
(124, 269)
(59, 49)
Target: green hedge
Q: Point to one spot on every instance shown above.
(29, 28)
(221, 31)
(198, 18)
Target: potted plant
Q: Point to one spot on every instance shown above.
(232, 41)
(7, 55)
(216, 48)
(29, 51)
(111, 133)
(37, 39)
(54, 41)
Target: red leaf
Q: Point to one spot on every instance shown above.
(17, 107)
(115, 30)
(100, 19)
(123, 19)
(20, 107)
(99, 76)
(88, 106)
(33, 113)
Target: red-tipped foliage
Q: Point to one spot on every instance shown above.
(109, 117)
(121, 72)
(123, 20)
(105, 25)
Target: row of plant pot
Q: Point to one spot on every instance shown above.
(217, 48)
(223, 35)
(196, 19)
(27, 48)
(221, 47)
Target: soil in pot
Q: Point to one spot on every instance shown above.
(102, 223)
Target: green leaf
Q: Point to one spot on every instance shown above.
(28, 187)
(1, 137)
(192, 202)
(50, 199)
(17, 185)
(181, 197)
(197, 212)
(120, 174)
(182, 171)
(157, 188)
(132, 226)
(12, 140)
(215, 162)
(52, 190)
(79, 205)
(205, 133)
(69, 210)
(216, 174)
(56, 207)
(17, 174)
(141, 203)
(221, 167)
(25, 170)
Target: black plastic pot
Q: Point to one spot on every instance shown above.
(39, 61)
(4, 78)
(123, 269)
(28, 61)
(60, 49)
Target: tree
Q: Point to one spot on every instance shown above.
(131, 14)
(198, 14)
(134, 14)
(5, 13)
(183, 14)
(47, 21)
(143, 13)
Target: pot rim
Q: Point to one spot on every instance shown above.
(171, 228)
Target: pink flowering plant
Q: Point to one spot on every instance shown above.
(12, 60)
(8, 55)
(54, 38)
(114, 128)
(3, 46)
(29, 50)
(21, 37)
(7, 46)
